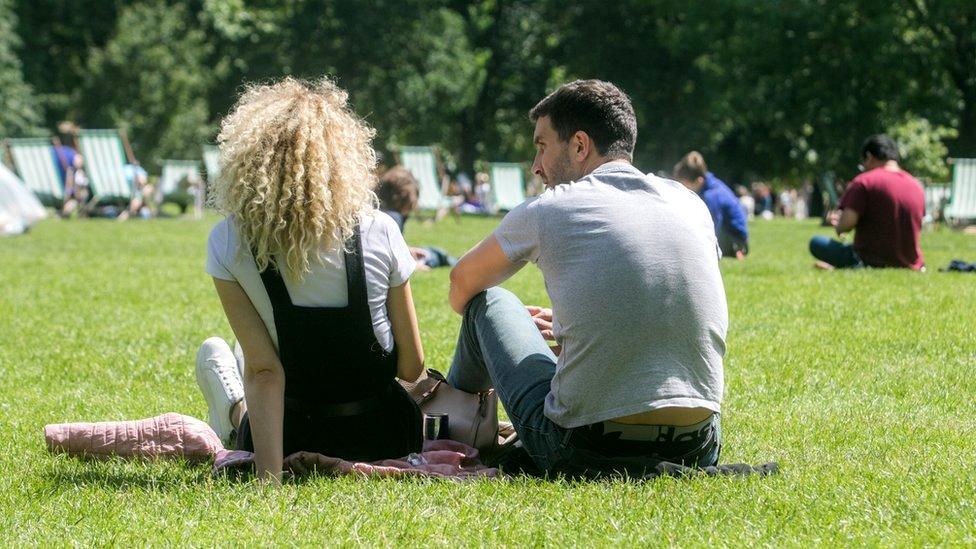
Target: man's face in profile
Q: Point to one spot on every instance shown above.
(552, 157)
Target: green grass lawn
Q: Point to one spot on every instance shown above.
(860, 384)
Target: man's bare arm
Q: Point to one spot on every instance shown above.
(482, 267)
(846, 221)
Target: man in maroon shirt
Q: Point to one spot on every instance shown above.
(885, 205)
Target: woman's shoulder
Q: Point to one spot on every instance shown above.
(224, 231)
(378, 226)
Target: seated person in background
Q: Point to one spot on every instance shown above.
(397, 191)
(884, 205)
(725, 209)
(71, 169)
(315, 284)
(746, 200)
(631, 265)
(142, 192)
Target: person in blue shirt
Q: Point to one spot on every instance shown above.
(727, 214)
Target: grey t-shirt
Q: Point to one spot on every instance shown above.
(631, 265)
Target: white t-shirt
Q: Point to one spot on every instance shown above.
(386, 259)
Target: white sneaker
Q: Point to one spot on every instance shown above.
(221, 384)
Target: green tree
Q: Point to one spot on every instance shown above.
(58, 37)
(150, 80)
(922, 147)
(944, 35)
(18, 112)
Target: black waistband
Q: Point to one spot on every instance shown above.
(342, 409)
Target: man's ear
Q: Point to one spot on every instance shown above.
(581, 145)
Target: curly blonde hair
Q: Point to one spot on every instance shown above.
(297, 170)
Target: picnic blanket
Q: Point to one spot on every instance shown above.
(176, 436)
(439, 458)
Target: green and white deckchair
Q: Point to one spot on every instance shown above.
(37, 169)
(507, 185)
(962, 203)
(423, 165)
(175, 171)
(211, 160)
(936, 196)
(105, 161)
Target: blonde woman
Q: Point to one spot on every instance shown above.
(315, 285)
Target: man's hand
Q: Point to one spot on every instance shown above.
(833, 217)
(420, 255)
(543, 321)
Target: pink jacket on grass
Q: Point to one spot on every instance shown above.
(167, 436)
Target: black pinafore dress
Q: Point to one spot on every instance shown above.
(341, 396)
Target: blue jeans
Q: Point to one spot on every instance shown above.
(499, 346)
(834, 252)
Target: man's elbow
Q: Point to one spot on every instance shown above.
(457, 295)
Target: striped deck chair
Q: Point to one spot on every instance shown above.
(105, 159)
(423, 165)
(175, 171)
(936, 197)
(962, 203)
(507, 185)
(211, 160)
(36, 166)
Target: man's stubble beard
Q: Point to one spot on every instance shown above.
(562, 172)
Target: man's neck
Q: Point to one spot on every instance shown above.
(598, 161)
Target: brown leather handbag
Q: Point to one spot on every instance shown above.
(472, 417)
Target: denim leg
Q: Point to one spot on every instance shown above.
(836, 253)
(499, 346)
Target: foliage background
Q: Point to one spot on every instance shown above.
(767, 90)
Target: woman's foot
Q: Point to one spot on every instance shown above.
(221, 384)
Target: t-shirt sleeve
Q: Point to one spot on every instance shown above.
(854, 197)
(217, 253)
(518, 233)
(402, 263)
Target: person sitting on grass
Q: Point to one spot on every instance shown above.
(71, 169)
(631, 265)
(314, 283)
(884, 205)
(398, 192)
(142, 192)
(724, 207)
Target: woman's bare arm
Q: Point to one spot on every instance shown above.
(406, 333)
(264, 378)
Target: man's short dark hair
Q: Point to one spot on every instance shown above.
(397, 190)
(596, 107)
(881, 147)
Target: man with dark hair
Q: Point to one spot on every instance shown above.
(885, 205)
(727, 215)
(638, 316)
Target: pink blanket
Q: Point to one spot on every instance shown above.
(439, 458)
(177, 436)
